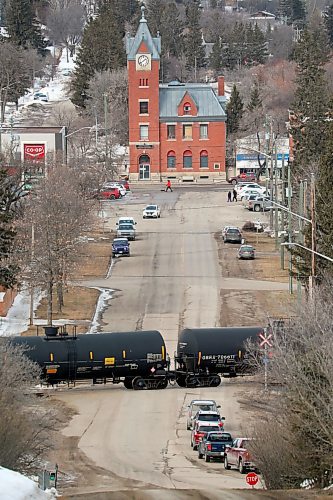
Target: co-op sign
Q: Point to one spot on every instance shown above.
(34, 152)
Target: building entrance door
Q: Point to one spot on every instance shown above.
(144, 168)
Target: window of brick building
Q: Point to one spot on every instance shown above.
(171, 131)
(203, 159)
(187, 108)
(204, 131)
(187, 131)
(144, 132)
(143, 107)
(187, 159)
(171, 159)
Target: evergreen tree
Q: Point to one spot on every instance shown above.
(298, 13)
(324, 205)
(193, 47)
(215, 58)
(255, 98)
(155, 10)
(99, 51)
(235, 108)
(22, 26)
(171, 31)
(258, 46)
(328, 20)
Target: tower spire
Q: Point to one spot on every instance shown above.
(143, 19)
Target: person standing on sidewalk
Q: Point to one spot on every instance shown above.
(168, 186)
(235, 195)
(229, 196)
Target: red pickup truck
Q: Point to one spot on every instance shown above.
(238, 455)
(244, 177)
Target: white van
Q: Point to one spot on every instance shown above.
(126, 220)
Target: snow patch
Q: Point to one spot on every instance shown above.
(15, 486)
(17, 319)
(102, 303)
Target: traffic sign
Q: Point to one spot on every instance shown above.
(265, 339)
(252, 478)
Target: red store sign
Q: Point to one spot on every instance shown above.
(34, 152)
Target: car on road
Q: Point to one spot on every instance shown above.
(213, 445)
(151, 211)
(224, 230)
(249, 197)
(246, 252)
(108, 194)
(125, 183)
(243, 177)
(126, 220)
(246, 192)
(120, 246)
(199, 404)
(249, 185)
(126, 231)
(232, 235)
(208, 416)
(200, 431)
(238, 455)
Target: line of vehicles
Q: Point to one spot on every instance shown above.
(253, 196)
(232, 234)
(209, 439)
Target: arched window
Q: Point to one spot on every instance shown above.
(187, 108)
(187, 159)
(171, 159)
(144, 159)
(204, 159)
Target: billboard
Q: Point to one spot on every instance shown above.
(34, 152)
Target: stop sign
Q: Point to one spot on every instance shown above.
(252, 478)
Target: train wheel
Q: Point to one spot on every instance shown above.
(181, 381)
(138, 384)
(128, 383)
(162, 384)
(215, 381)
(191, 382)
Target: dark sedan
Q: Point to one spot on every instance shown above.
(213, 445)
(232, 235)
(120, 246)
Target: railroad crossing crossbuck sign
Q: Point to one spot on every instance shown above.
(252, 478)
(265, 339)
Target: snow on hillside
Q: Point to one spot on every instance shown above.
(15, 486)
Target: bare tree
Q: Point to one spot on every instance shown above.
(298, 406)
(65, 22)
(59, 214)
(27, 422)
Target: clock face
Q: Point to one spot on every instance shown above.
(143, 62)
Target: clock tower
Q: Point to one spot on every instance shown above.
(143, 64)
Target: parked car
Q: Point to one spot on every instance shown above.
(246, 252)
(237, 455)
(243, 177)
(153, 211)
(200, 431)
(232, 235)
(120, 187)
(249, 197)
(260, 204)
(126, 231)
(225, 229)
(246, 192)
(41, 96)
(199, 404)
(126, 220)
(125, 183)
(120, 246)
(213, 445)
(209, 416)
(108, 194)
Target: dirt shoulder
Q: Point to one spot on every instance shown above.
(253, 307)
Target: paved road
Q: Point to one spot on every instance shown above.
(172, 280)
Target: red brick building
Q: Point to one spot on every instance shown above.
(176, 130)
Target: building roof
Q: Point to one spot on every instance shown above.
(203, 95)
(143, 35)
(32, 130)
(262, 14)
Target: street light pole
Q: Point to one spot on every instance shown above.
(105, 96)
(313, 232)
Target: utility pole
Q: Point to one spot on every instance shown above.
(32, 288)
(106, 129)
(289, 231)
(313, 235)
(282, 214)
(276, 199)
(195, 69)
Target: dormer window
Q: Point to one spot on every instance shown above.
(187, 108)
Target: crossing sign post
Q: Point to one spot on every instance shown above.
(266, 340)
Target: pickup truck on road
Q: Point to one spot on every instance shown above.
(259, 204)
(213, 445)
(239, 456)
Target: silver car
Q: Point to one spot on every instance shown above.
(126, 231)
(197, 405)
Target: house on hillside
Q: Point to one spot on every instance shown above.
(176, 130)
(263, 19)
